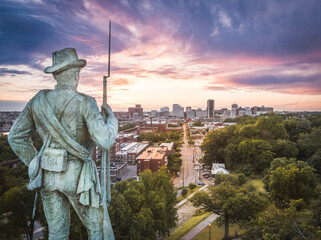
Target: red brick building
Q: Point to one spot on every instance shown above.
(152, 158)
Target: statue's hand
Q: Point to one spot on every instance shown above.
(107, 110)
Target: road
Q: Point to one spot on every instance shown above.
(187, 172)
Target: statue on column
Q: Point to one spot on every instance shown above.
(69, 124)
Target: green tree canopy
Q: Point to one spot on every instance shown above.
(144, 209)
(284, 148)
(271, 127)
(295, 127)
(283, 224)
(214, 144)
(16, 207)
(5, 150)
(232, 204)
(309, 144)
(315, 120)
(254, 154)
(290, 179)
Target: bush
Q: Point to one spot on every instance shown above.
(234, 179)
(241, 179)
(184, 192)
(191, 186)
(191, 142)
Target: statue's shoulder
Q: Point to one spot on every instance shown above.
(40, 94)
(86, 97)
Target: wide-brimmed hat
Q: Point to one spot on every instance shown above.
(65, 59)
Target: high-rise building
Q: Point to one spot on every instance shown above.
(190, 113)
(210, 108)
(177, 111)
(164, 109)
(137, 108)
(201, 113)
(248, 111)
(153, 113)
(164, 112)
(234, 110)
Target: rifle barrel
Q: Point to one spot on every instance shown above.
(109, 49)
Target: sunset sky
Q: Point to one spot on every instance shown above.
(168, 51)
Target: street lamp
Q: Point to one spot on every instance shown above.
(209, 231)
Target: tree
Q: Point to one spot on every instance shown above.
(315, 120)
(231, 156)
(191, 186)
(290, 179)
(7, 180)
(184, 192)
(6, 152)
(144, 209)
(294, 127)
(248, 131)
(285, 148)
(271, 127)
(232, 204)
(283, 224)
(234, 179)
(316, 210)
(191, 142)
(254, 155)
(174, 163)
(215, 143)
(315, 162)
(16, 207)
(198, 124)
(309, 143)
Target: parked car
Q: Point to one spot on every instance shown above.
(206, 174)
(200, 183)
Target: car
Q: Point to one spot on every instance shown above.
(206, 174)
(200, 183)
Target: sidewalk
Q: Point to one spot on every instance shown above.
(186, 199)
(199, 227)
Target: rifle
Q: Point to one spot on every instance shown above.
(105, 163)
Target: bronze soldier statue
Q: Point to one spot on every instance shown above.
(69, 124)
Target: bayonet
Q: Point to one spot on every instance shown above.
(105, 163)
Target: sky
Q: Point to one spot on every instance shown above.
(250, 52)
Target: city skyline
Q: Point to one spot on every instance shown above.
(165, 52)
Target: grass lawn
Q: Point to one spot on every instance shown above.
(217, 233)
(257, 183)
(187, 226)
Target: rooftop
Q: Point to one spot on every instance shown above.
(132, 147)
(168, 145)
(152, 153)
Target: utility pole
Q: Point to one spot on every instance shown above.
(193, 154)
(183, 176)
